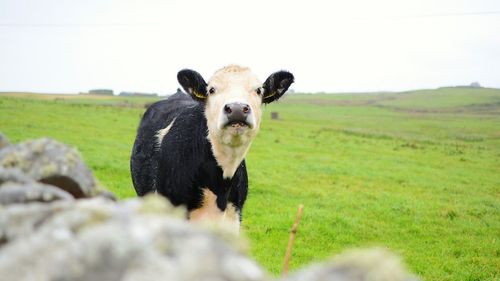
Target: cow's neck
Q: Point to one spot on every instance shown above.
(229, 154)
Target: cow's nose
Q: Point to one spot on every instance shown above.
(237, 111)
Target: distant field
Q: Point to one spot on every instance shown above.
(417, 172)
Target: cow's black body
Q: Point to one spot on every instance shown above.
(183, 165)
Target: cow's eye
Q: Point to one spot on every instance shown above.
(259, 91)
(211, 90)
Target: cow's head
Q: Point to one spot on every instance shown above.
(233, 99)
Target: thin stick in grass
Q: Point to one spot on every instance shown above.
(288, 253)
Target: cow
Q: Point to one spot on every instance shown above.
(191, 147)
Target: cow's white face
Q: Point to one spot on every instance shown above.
(233, 101)
(233, 106)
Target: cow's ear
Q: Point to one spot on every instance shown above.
(193, 83)
(276, 85)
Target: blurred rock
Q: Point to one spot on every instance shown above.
(357, 265)
(15, 193)
(96, 239)
(53, 163)
(16, 187)
(13, 175)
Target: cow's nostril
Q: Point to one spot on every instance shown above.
(246, 109)
(227, 109)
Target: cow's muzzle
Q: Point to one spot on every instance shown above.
(237, 114)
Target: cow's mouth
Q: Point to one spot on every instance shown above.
(237, 124)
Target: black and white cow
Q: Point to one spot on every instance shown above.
(191, 148)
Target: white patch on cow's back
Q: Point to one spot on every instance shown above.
(210, 212)
(160, 134)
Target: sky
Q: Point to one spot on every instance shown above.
(67, 46)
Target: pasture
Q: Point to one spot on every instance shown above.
(417, 172)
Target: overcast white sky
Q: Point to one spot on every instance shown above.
(334, 46)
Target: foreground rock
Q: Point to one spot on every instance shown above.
(357, 265)
(48, 162)
(97, 239)
(45, 234)
(11, 193)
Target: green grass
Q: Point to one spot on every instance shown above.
(417, 172)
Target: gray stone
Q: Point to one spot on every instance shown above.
(376, 264)
(16, 187)
(53, 163)
(13, 175)
(15, 193)
(96, 239)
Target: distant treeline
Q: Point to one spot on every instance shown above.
(136, 94)
(107, 92)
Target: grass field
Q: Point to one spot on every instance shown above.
(417, 172)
